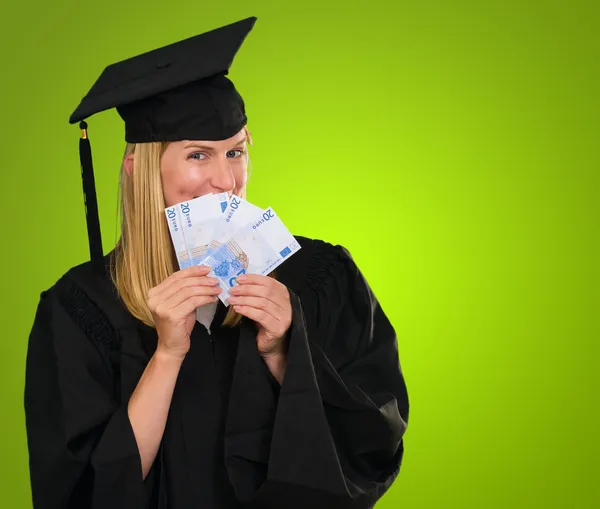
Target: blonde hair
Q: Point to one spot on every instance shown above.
(144, 256)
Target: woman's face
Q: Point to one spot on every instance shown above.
(193, 168)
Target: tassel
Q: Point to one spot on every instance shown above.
(91, 204)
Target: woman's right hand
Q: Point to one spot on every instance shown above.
(173, 306)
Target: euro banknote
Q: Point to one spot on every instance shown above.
(258, 248)
(238, 213)
(174, 222)
(199, 218)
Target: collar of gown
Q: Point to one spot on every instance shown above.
(206, 314)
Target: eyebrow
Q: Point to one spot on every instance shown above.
(205, 147)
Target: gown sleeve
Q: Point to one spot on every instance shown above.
(332, 435)
(82, 450)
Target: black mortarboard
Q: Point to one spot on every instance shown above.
(177, 92)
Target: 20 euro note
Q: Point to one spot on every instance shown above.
(238, 213)
(258, 248)
(199, 219)
(174, 222)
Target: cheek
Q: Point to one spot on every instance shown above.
(181, 182)
(241, 176)
(190, 178)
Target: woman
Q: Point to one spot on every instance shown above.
(294, 398)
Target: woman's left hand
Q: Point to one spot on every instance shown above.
(266, 301)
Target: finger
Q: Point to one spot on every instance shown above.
(183, 295)
(190, 305)
(248, 280)
(256, 279)
(190, 292)
(248, 289)
(178, 286)
(195, 271)
(278, 295)
(258, 303)
(260, 316)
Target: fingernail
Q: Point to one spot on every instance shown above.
(213, 280)
(241, 278)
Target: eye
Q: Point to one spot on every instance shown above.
(235, 153)
(198, 156)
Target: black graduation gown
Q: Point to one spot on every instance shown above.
(331, 436)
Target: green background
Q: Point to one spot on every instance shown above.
(451, 146)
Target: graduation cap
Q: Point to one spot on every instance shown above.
(177, 92)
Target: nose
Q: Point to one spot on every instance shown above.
(222, 178)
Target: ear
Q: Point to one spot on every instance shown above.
(128, 164)
(248, 135)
